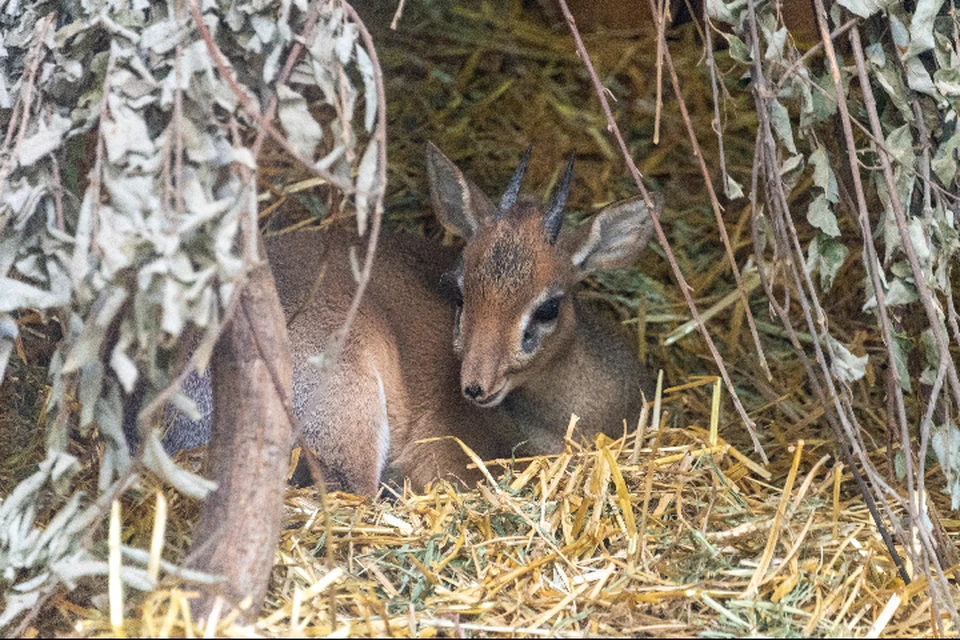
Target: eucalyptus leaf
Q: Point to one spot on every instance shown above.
(944, 163)
(369, 88)
(91, 383)
(823, 175)
(864, 8)
(825, 99)
(124, 367)
(738, 50)
(918, 78)
(900, 293)
(366, 184)
(775, 41)
(825, 256)
(17, 603)
(8, 333)
(791, 164)
(945, 441)
(901, 348)
(734, 190)
(156, 459)
(161, 37)
(16, 295)
(780, 120)
(921, 26)
(48, 137)
(186, 405)
(343, 45)
(900, 143)
(947, 81)
(822, 217)
(152, 246)
(303, 132)
(126, 133)
(844, 365)
(920, 241)
(729, 12)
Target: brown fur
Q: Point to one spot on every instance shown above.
(407, 359)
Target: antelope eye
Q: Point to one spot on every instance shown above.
(458, 296)
(548, 311)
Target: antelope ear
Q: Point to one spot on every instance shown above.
(615, 236)
(458, 203)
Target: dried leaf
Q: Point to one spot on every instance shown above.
(738, 50)
(303, 131)
(367, 184)
(369, 88)
(865, 8)
(823, 175)
(780, 120)
(821, 216)
(156, 459)
(48, 137)
(921, 26)
(844, 365)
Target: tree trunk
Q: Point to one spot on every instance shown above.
(249, 448)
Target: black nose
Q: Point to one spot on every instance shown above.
(473, 391)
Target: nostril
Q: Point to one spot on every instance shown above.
(473, 391)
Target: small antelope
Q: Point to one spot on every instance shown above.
(490, 345)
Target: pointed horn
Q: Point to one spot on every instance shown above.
(554, 218)
(513, 189)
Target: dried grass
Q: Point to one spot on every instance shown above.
(685, 539)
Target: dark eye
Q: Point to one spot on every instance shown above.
(548, 311)
(458, 296)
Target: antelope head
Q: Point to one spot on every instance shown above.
(518, 272)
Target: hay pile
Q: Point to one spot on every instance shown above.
(680, 535)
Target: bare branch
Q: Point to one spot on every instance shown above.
(638, 179)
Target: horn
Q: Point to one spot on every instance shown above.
(513, 189)
(554, 218)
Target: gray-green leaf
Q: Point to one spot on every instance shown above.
(821, 217)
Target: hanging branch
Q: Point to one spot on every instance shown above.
(839, 417)
(638, 179)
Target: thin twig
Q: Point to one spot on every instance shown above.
(717, 126)
(397, 15)
(867, 232)
(927, 299)
(57, 192)
(176, 126)
(661, 236)
(809, 53)
(380, 138)
(718, 215)
(840, 419)
(659, 100)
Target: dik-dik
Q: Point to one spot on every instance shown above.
(489, 344)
